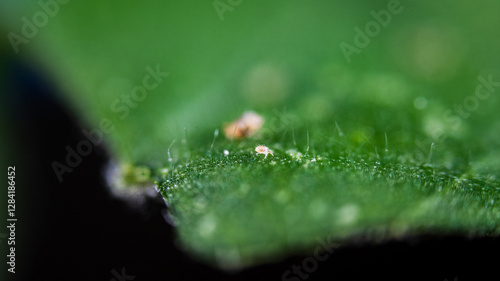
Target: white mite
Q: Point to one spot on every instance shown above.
(261, 149)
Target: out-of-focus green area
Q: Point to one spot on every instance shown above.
(402, 95)
(99, 51)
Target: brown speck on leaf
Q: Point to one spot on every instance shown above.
(244, 127)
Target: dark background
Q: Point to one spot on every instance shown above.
(75, 230)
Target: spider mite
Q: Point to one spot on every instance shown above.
(244, 127)
(261, 149)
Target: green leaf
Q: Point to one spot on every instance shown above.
(393, 139)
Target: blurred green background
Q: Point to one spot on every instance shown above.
(259, 56)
